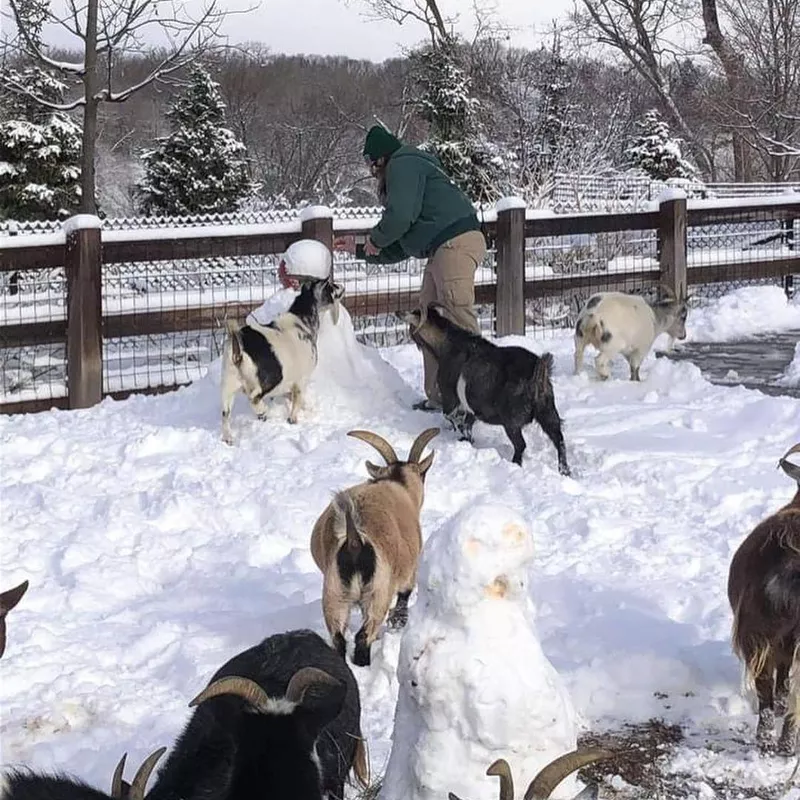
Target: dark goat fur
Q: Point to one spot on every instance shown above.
(507, 386)
(764, 594)
(229, 750)
(9, 600)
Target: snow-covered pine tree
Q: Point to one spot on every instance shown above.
(39, 152)
(656, 152)
(456, 135)
(200, 167)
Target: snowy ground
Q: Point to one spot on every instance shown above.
(155, 552)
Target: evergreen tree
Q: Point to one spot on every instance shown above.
(200, 168)
(656, 152)
(456, 135)
(39, 152)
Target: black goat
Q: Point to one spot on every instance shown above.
(508, 386)
(8, 600)
(764, 593)
(280, 720)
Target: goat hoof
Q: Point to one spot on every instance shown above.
(361, 656)
(340, 645)
(397, 620)
(292, 420)
(565, 470)
(262, 416)
(228, 440)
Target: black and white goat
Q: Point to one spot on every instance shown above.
(764, 593)
(280, 720)
(8, 600)
(276, 359)
(508, 386)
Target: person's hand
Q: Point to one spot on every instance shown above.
(370, 249)
(345, 244)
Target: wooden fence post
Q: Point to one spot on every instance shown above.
(510, 302)
(317, 223)
(84, 311)
(672, 240)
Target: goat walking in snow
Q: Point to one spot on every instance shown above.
(764, 593)
(276, 359)
(617, 323)
(367, 543)
(508, 386)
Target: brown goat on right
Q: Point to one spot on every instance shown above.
(8, 600)
(764, 593)
(367, 543)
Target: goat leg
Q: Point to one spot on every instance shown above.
(787, 744)
(765, 730)
(550, 423)
(781, 688)
(518, 440)
(398, 616)
(465, 428)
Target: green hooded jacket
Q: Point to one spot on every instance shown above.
(424, 208)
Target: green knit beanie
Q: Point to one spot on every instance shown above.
(380, 142)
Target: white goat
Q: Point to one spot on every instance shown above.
(617, 323)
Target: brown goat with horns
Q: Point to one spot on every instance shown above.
(764, 593)
(367, 543)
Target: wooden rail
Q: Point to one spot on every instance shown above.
(84, 252)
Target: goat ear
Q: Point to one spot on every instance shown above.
(375, 471)
(792, 470)
(319, 696)
(425, 464)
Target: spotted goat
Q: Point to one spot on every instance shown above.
(276, 359)
(616, 323)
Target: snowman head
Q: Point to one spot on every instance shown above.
(483, 555)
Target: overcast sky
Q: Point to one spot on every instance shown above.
(333, 27)
(341, 27)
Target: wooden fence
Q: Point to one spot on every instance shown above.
(83, 250)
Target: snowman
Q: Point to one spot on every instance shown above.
(348, 373)
(474, 683)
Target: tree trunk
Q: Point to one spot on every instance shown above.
(90, 87)
(734, 68)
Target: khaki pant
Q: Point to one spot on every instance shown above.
(449, 279)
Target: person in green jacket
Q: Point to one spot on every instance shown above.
(425, 216)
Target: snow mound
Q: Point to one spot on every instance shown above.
(744, 312)
(791, 377)
(474, 683)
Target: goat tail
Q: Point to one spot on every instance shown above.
(542, 383)
(754, 652)
(348, 513)
(236, 342)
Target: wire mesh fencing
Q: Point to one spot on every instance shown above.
(748, 248)
(562, 272)
(33, 367)
(165, 318)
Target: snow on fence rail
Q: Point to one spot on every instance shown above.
(87, 312)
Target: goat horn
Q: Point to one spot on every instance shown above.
(240, 687)
(379, 443)
(548, 778)
(503, 771)
(11, 597)
(792, 470)
(8, 600)
(143, 774)
(303, 679)
(420, 443)
(116, 781)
